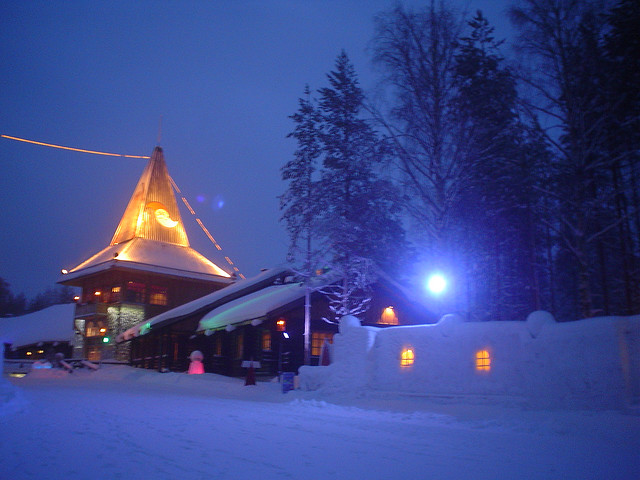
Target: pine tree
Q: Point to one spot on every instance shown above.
(11, 304)
(494, 210)
(301, 203)
(360, 225)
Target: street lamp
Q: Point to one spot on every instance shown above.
(436, 283)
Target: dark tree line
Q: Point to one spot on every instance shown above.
(520, 180)
(15, 305)
(584, 80)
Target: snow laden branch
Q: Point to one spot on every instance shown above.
(351, 294)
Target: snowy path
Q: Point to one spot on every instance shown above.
(154, 426)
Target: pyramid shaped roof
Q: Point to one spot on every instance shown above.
(151, 235)
(152, 212)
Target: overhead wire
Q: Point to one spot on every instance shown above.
(175, 186)
(204, 229)
(52, 145)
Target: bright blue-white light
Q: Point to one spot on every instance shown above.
(436, 284)
(286, 335)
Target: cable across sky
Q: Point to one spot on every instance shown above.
(94, 152)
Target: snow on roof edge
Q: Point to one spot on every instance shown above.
(140, 266)
(252, 306)
(202, 302)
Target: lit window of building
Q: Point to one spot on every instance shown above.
(388, 316)
(266, 340)
(317, 340)
(407, 357)
(483, 360)
(240, 346)
(115, 294)
(158, 295)
(95, 328)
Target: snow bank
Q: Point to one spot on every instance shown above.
(592, 363)
(11, 399)
(348, 370)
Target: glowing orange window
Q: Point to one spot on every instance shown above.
(407, 357)
(483, 360)
(266, 340)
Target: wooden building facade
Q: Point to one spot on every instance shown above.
(260, 320)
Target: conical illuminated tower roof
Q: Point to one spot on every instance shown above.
(152, 212)
(151, 236)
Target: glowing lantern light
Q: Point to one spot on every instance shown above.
(407, 357)
(389, 316)
(196, 367)
(103, 330)
(29, 353)
(483, 361)
(436, 284)
(281, 325)
(76, 298)
(97, 293)
(64, 271)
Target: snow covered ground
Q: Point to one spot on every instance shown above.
(125, 423)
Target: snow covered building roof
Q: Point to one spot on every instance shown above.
(151, 235)
(53, 324)
(253, 306)
(207, 303)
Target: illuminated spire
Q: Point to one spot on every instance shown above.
(152, 212)
(150, 235)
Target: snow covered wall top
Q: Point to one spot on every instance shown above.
(593, 363)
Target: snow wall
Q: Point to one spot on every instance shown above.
(593, 363)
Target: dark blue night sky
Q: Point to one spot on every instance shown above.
(224, 76)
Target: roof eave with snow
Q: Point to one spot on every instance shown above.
(69, 278)
(206, 303)
(254, 306)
